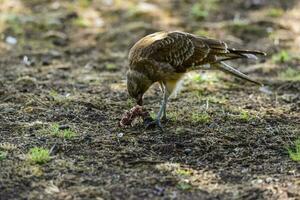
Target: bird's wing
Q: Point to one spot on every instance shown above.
(206, 50)
(183, 50)
(174, 49)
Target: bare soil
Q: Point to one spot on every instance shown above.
(225, 139)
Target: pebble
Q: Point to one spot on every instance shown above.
(120, 135)
(187, 151)
(11, 40)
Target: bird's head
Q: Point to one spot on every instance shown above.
(137, 84)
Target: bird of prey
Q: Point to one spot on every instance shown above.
(164, 57)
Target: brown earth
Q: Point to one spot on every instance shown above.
(225, 139)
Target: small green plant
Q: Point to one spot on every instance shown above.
(55, 130)
(244, 116)
(81, 22)
(65, 133)
(173, 115)
(111, 66)
(290, 75)
(200, 118)
(130, 103)
(184, 185)
(294, 152)
(183, 172)
(199, 12)
(275, 12)
(202, 9)
(3, 155)
(198, 78)
(14, 23)
(56, 96)
(281, 57)
(38, 155)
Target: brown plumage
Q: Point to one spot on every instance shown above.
(165, 57)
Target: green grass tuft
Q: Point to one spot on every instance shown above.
(130, 103)
(275, 12)
(38, 155)
(183, 172)
(294, 152)
(198, 78)
(55, 131)
(111, 66)
(199, 12)
(3, 155)
(66, 133)
(244, 116)
(202, 9)
(184, 186)
(81, 22)
(200, 118)
(173, 115)
(281, 57)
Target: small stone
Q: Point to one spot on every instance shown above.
(27, 61)
(64, 127)
(11, 40)
(257, 181)
(187, 151)
(269, 180)
(159, 191)
(120, 135)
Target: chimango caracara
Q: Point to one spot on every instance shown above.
(164, 57)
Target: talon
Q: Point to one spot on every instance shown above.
(164, 118)
(154, 123)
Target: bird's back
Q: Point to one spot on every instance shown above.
(180, 50)
(141, 48)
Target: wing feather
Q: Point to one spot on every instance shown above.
(175, 49)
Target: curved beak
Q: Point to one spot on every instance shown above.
(139, 100)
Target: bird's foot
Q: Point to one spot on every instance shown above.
(154, 123)
(164, 118)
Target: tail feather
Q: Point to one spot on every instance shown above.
(228, 69)
(233, 54)
(246, 52)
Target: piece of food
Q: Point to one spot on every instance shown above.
(135, 112)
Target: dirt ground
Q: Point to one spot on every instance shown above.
(64, 62)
